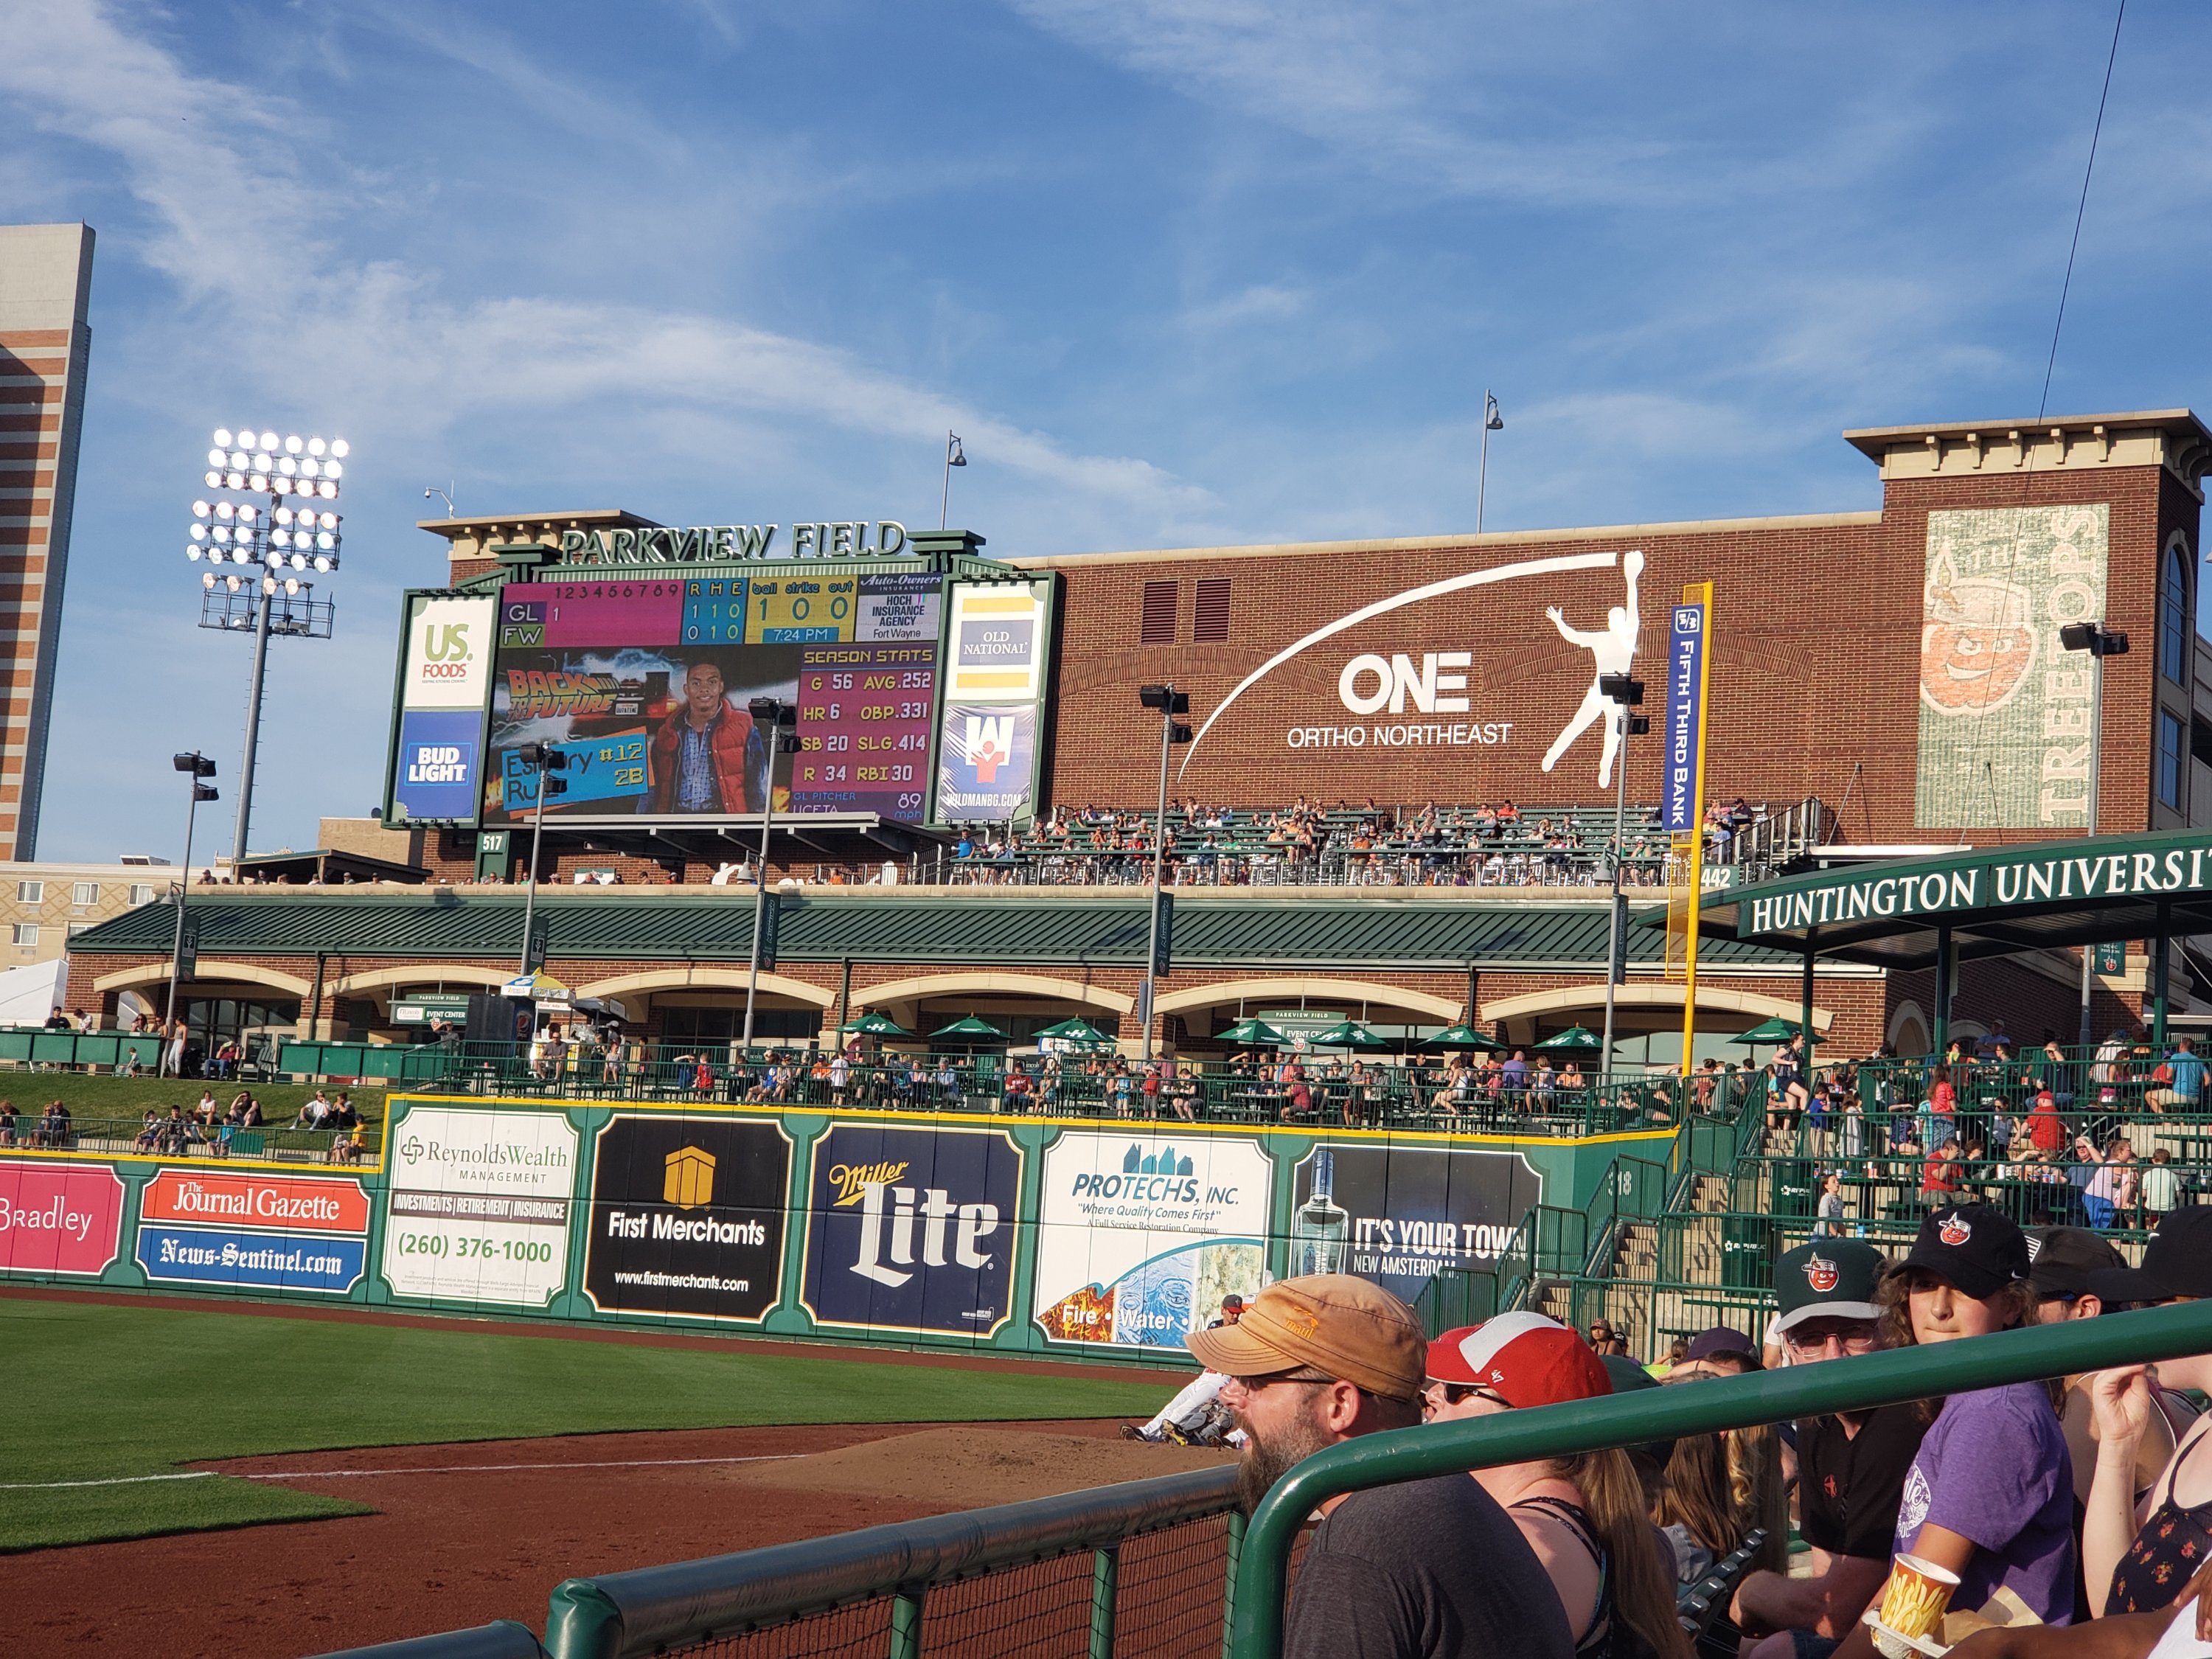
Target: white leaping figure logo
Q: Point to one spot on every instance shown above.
(1613, 651)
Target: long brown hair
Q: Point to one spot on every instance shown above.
(1643, 1589)
(2016, 1302)
(1698, 1495)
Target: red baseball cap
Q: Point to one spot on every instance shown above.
(1523, 1358)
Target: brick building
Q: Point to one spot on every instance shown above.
(1904, 666)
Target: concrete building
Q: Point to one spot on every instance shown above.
(46, 344)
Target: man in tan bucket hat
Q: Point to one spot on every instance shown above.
(1424, 1568)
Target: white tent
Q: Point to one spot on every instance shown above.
(28, 994)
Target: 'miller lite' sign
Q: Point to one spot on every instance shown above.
(1685, 714)
(2050, 879)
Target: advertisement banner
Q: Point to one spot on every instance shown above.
(1686, 718)
(327, 1263)
(59, 1217)
(911, 1230)
(478, 1209)
(899, 606)
(448, 661)
(985, 762)
(437, 777)
(2004, 707)
(1399, 1215)
(1141, 1235)
(997, 642)
(687, 1217)
(298, 1204)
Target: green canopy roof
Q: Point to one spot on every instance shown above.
(873, 1023)
(1080, 1032)
(1576, 1038)
(971, 1030)
(1768, 1031)
(1256, 1033)
(1348, 1034)
(1461, 1039)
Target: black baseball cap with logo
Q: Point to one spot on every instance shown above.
(2178, 1261)
(1828, 1278)
(2060, 1259)
(1975, 1249)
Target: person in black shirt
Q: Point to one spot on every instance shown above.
(1851, 1466)
(1424, 1570)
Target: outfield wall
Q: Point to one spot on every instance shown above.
(1090, 1239)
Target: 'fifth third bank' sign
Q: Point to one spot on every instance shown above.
(1686, 715)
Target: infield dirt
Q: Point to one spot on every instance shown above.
(462, 1534)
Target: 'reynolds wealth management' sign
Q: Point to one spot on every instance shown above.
(2026, 879)
(717, 543)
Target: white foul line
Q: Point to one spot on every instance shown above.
(447, 1468)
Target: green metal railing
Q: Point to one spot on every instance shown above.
(26, 1045)
(1856, 1384)
(503, 1639)
(114, 1136)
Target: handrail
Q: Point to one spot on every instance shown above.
(1859, 1384)
(652, 1608)
(503, 1639)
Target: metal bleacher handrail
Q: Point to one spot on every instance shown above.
(1858, 1384)
(503, 1639)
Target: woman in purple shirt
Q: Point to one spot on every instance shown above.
(1990, 1494)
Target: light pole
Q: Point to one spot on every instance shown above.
(197, 766)
(1625, 695)
(1170, 702)
(953, 458)
(1492, 422)
(291, 534)
(2100, 642)
(779, 718)
(541, 758)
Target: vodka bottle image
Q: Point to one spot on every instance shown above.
(1319, 1228)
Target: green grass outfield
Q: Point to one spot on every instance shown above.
(96, 1392)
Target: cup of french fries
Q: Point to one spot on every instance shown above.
(1912, 1605)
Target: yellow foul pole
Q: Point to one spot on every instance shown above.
(1689, 675)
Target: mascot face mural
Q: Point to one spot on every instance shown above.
(1976, 646)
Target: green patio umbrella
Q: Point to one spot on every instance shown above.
(1575, 1039)
(1768, 1031)
(1254, 1034)
(876, 1025)
(1080, 1032)
(1348, 1034)
(971, 1033)
(1461, 1040)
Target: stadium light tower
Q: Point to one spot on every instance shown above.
(197, 766)
(2100, 642)
(296, 531)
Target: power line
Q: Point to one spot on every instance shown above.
(2080, 210)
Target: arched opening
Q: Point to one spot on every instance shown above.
(2173, 623)
(1299, 1007)
(1647, 1019)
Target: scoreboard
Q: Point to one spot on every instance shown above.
(864, 717)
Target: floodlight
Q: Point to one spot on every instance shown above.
(234, 481)
(291, 584)
(340, 448)
(281, 537)
(208, 579)
(223, 436)
(324, 540)
(199, 532)
(201, 509)
(213, 480)
(292, 444)
(316, 446)
(225, 509)
(298, 561)
(258, 482)
(327, 490)
(248, 512)
(192, 552)
(222, 532)
(216, 457)
(333, 470)
(269, 440)
(232, 583)
(323, 562)
(286, 465)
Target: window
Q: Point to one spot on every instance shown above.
(142, 892)
(85, 892)
(2171, 749)
(76, 928)
(30, 892)
(2173, 617)
(1210, 624)
(26, 933)
(1157, 624)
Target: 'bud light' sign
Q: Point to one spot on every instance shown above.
(912, 1229)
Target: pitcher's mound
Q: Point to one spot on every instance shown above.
(975, 1467)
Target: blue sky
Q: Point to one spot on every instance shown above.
(1178, 274)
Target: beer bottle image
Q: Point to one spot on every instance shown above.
(1319, 1228)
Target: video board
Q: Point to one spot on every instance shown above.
(643, 683)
